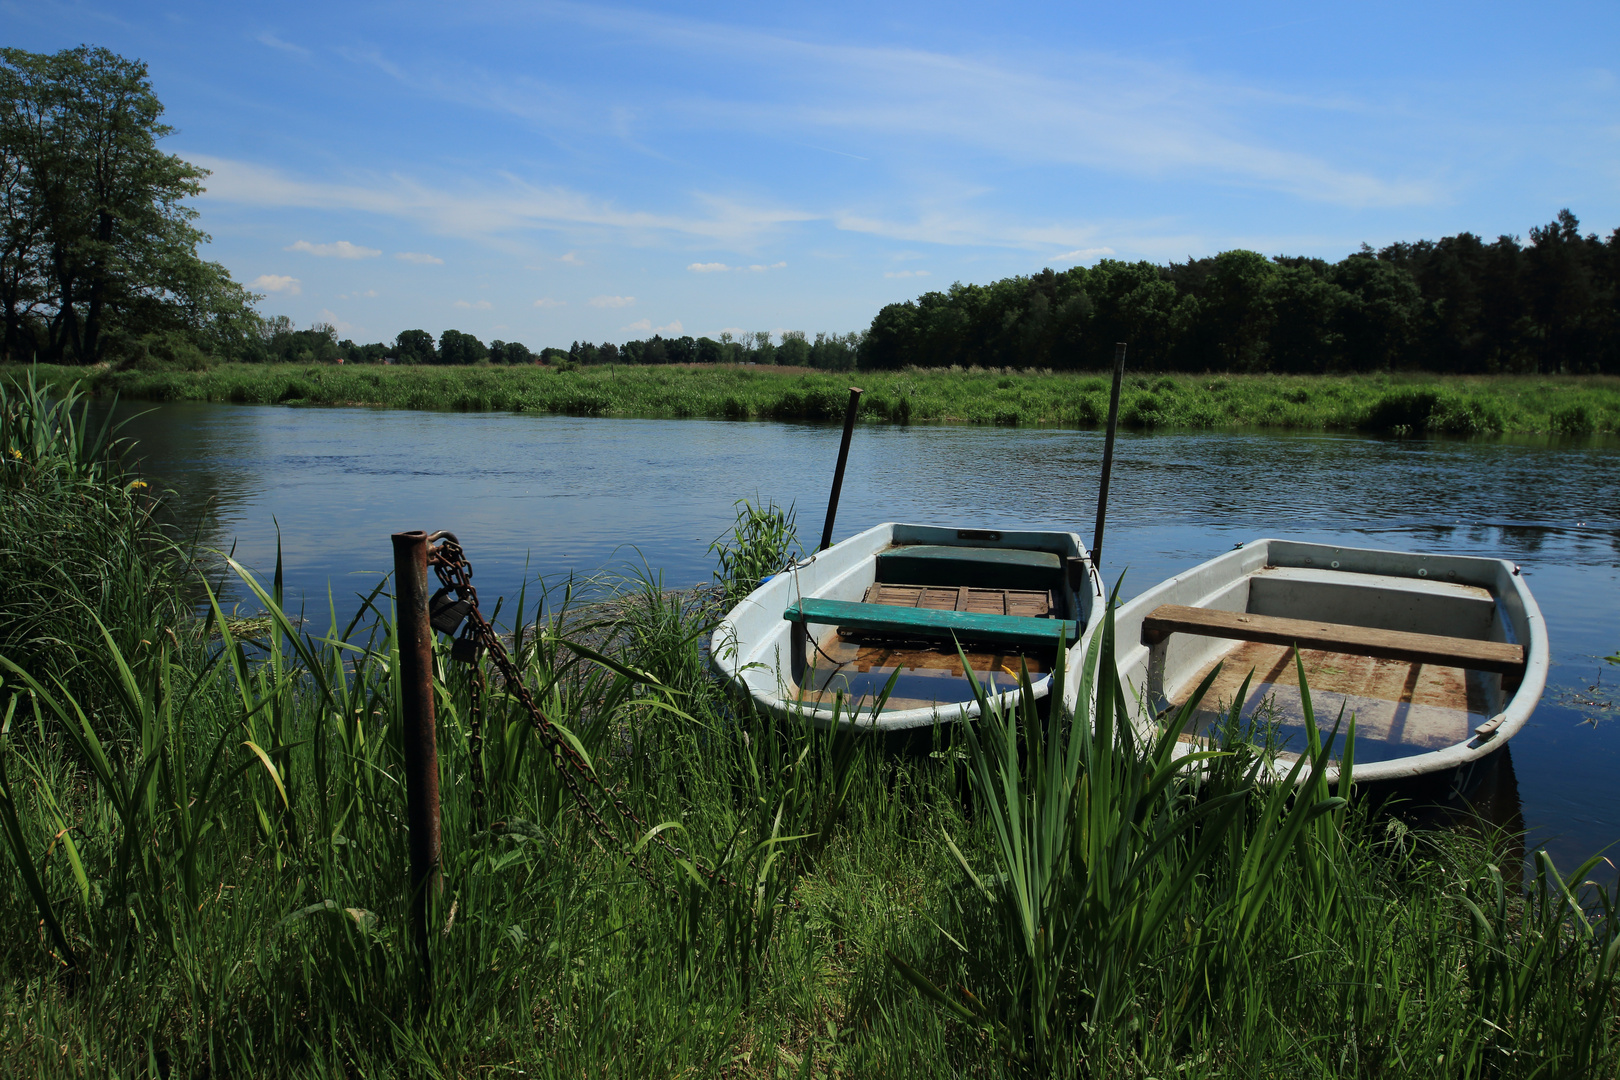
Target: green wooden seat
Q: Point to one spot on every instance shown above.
(988, 568)
(1020, 630)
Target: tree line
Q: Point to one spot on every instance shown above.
(1458, 305)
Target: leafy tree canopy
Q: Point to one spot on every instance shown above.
(98, 257)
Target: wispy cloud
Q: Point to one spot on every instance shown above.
(720, 267)
(572, 259)
(329, 316)
(1099, 110)
(611, 301)
(274, 42)
(548, 302)
(342, 249)
(645, 325)
(277, 283)
(367, 295)
(906, 273)
(479, 305)
(1082, 254)
(493, 210)
(418, 258)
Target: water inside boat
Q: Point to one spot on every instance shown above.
(928, 676)
(1401, 708)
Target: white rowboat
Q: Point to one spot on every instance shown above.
(822, 639)
(1441, 658)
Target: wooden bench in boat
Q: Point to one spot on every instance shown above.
(1470, 653)
(1021, 630)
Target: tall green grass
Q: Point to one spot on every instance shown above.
(205, 876)
(80, 546)
(1412, 404)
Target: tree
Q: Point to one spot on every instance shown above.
(456, 347)
(415, 347)
(100, 251)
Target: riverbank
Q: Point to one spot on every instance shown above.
(1400, 404)
(209, 851)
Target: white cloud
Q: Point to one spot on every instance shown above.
(492, 212)
(644, 325)
(482, 305)
(546, 301)
(905, 273)
(1115, 113)
(367, 295)
(277, 283)
(572, 259)
(611, 301)
(329, 316)
(419, 258)
(274, 42)
(720, 267)
(1083, 254)
(342, 249)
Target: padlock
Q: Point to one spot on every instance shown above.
(466, 650)
(445, 612)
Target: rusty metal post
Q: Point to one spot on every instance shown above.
(1108, 454)
(855, 393)
(421, 746)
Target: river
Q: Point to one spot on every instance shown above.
(541, 496)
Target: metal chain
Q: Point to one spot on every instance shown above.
(449, 563)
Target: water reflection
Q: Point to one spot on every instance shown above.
(553, 496)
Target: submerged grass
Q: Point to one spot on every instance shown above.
(1414, 404)
(204, 873)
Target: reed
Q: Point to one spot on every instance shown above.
(204, 875)
(1576, 407)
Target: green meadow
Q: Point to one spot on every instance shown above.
(1400, 403)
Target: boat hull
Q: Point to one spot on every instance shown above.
(1424, 731)
(764, 656)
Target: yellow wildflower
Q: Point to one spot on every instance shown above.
(137, 485)
(15, 453)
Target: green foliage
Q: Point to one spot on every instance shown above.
(1413, 404)
(1456, 305)
(98, 256)
(764, 541)
(79, 549)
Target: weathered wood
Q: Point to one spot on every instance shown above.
(926, 623)
(1498, 656)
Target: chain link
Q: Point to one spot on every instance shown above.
(449, 563)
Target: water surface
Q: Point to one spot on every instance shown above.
(553, 496)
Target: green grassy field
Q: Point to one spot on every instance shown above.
(203, 852)
(1414, 404)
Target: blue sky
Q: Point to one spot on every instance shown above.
(557, 172)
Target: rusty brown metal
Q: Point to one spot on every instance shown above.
(1108, 454)
(850, 412)
(420, 739)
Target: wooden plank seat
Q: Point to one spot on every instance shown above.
(1470, 653)
(1021, 630)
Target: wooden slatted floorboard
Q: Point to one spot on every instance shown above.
(1030, 603)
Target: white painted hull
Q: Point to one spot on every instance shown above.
(753, 647)
(1457, 596)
